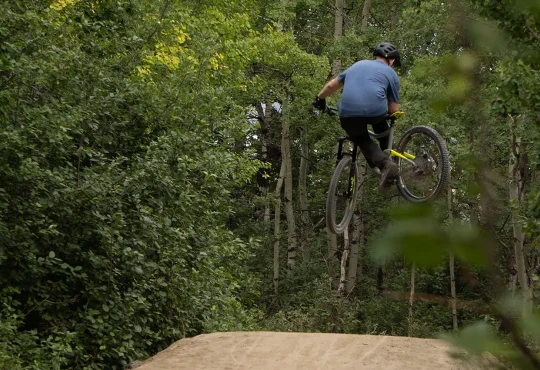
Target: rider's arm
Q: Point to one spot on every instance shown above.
(392, 107)
(330, 88)
(393, 94)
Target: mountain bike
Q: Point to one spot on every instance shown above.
(422, 158)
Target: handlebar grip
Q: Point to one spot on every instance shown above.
(331, 110)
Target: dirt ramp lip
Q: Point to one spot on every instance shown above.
(314, 351)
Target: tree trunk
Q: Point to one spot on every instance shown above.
(451, 262)
(288, 199)
(411, 300)
(512, 279)
(302, 190)
(357, 238)
(332, 259)
(453, 301)
(266, 209)
(453, 293)
(338, 32)
(265, 119)
(353, 258)
(277, 226)
(344, 258)
(516, 169)
(365, 16)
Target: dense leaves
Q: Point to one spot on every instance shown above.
(139, 143)
(115, 191)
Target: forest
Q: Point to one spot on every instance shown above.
(163, 174)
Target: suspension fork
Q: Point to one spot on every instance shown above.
(340, 155)
(340, 149)
(352, 179)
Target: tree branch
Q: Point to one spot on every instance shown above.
(158, 23)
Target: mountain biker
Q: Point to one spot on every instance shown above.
(370, 92)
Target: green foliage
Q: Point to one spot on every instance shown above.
(129, 217)
(114, 189)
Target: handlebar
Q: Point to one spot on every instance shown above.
(331, 111)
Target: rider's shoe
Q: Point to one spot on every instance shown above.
(389, 171)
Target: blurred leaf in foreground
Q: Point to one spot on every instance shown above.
(419, 233)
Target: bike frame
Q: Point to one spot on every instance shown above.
(390, 133)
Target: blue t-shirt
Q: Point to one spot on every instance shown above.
(368, 85)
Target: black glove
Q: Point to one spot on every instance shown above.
(319, 103)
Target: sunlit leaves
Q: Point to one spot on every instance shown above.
(61, 4)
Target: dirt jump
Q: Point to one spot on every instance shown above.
(283, 351)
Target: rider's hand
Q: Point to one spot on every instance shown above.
(319, 103)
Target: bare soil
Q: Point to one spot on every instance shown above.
(283, 351)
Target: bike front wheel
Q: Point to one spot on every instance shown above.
(424, 176)
(342, 195)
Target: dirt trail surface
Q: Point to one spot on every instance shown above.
(283, 351)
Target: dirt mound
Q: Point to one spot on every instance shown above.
(282, 351)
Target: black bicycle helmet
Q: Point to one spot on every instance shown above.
(387, 51)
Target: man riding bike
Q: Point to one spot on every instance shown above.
(370, 93)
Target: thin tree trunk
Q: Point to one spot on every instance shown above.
(365, 16)
(512, 280)
(265, 119)
(288, 185)
(302, 190)
(344, 258)
(411, 300)
(451, 262)
(332, 260)
(516, 193)
(277, 226)
(266, 209)
(361, 247)
(287, 164)
(357, 237)
(354, 247)
(453, 293)
(338, 32)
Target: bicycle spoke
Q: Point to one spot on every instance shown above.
(422, 178)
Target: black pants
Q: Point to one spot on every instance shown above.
(357, 129)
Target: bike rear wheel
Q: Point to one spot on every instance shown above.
(342, 195)
(425, 179)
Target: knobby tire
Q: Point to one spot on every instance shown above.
(333, 225)
(443, 158)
